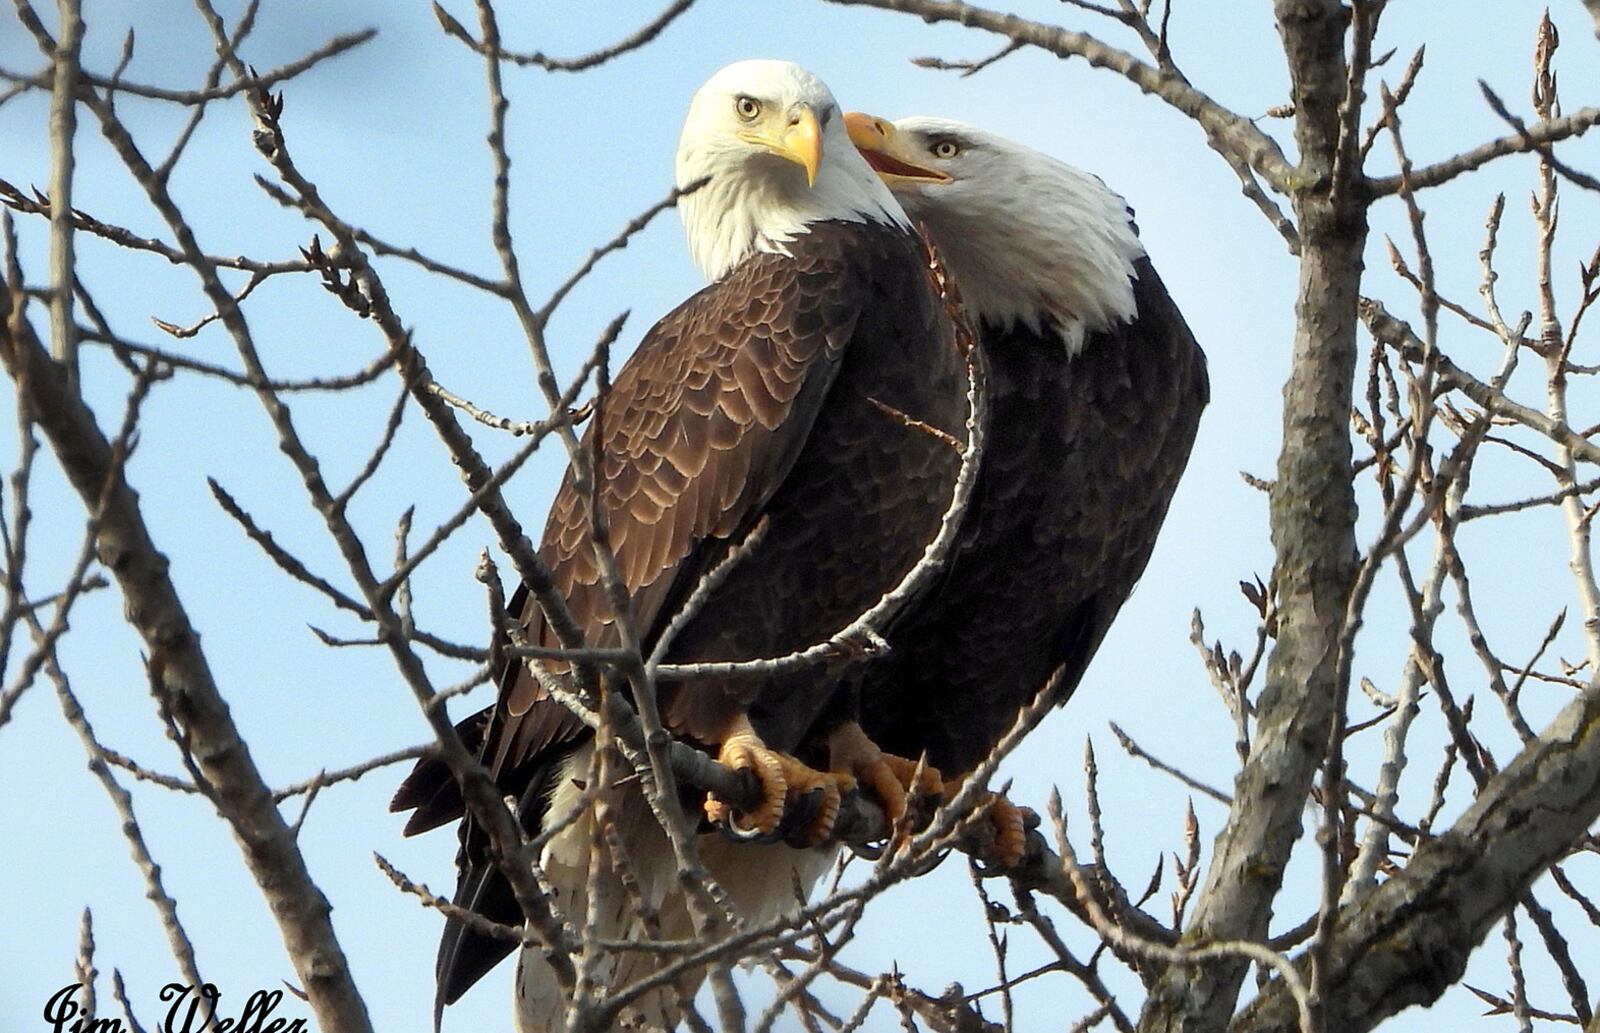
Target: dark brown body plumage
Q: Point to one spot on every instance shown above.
(1082, 458)
(752, 401)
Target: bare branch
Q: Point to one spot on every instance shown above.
(649, 31)
(1226, 132)
(184, 676)
(1182, 954)
(334, 47)
(1403, 943)
(63, 158)
(862, 632)
(1537, 137)
(1312, 516)
(1396, 334)
(166, 907)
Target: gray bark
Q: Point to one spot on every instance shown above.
(1408, 940)
(1313, 533)
(180, 674)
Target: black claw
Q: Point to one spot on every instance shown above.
(846, 830)
(798, 815)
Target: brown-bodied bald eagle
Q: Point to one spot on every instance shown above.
(1095, 391)
(769, 398)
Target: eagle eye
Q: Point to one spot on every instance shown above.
(747, 107)
(945, 149)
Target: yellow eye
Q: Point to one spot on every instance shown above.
(945, 149)
(747, 107)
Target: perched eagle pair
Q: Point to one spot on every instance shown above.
(800, 410)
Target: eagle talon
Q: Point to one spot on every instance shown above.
(1000, 836)
(816, 796)
(787, 808)
(894, 782)
(731, 828)
(920, 779)
(800, 814)
(744, 751)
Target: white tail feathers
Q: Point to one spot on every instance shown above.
(759, 879)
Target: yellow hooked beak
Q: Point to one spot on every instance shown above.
(888, 151)
(799, 140)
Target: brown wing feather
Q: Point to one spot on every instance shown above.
(1083, 457)
(700, 425)
(701, 429)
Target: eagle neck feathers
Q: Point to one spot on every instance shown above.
(734, 215)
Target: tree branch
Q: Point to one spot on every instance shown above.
(1536, 137)
(1396, 334)
(63, 159)
(1228, 133)
(179, 668)
(1313, 533)
(1405, 942)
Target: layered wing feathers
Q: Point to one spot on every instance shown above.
(1083, 457)
(699, 429)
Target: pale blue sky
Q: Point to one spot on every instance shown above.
(393, 134)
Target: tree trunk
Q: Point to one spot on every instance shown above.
(1313, 535)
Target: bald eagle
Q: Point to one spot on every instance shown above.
(768, 399)
(1095, 391)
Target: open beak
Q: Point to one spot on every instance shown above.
(888, 151)
(800, 141)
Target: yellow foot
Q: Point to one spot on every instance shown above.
(744, 751)
(818, 828)
(890, 779)
(1000, 834)
(785, 781)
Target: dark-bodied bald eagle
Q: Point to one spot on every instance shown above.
(1095, 391)
(769, 398)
